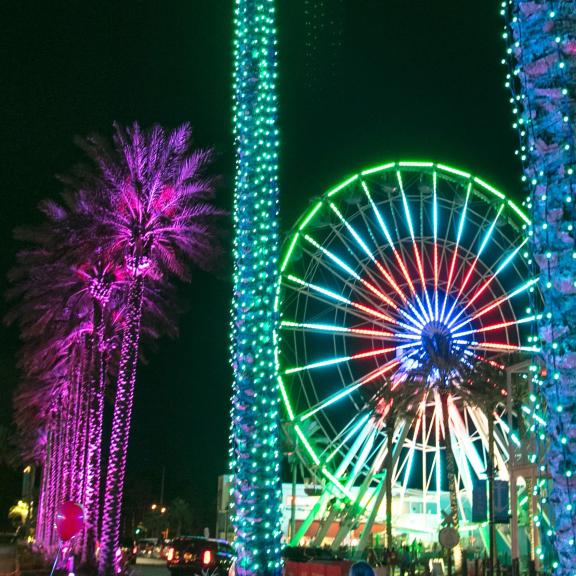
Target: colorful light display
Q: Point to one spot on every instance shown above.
(255, 455)
(541, 56)
(406, 268)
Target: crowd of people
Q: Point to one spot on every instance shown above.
(405, 560)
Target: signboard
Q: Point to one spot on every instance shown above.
(480, 502)
(448, 537)
(501, 502)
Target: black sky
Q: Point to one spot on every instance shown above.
(391, 79)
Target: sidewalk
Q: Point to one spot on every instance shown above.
(7, 559)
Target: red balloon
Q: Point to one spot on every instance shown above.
(69, 520)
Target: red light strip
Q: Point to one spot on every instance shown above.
(381, 371)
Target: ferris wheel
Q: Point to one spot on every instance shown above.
(396, 264)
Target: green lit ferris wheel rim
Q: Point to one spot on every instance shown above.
(490, 195)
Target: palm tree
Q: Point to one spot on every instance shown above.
(255, 450)
(62, 289)
(543, 83)
(487, 381)
(396, 401)
(69, 298)
(444, 368)
(180, 515)
(149, 199)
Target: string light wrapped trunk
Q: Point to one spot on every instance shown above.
(255, 455)
(541, 38)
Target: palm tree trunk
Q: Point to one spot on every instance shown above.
(255, 450)
(450, 462)
(44, 495)
(491, 518)
(78, 472)
(115, 473)
(544, 84)
(52, 482)
(93, 475)
(59, 476)
(389, 472)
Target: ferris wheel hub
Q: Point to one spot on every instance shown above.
(437, 342)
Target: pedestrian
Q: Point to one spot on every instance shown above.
(404, 561)
(392, 560)
(361, 569)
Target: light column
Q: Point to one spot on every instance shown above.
(541, 49)
(254, 452)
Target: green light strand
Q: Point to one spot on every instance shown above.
(254, 453)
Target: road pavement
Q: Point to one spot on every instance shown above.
(150, 567)
(8, 559)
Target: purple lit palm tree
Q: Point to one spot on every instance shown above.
(149, 198)
(62, 288)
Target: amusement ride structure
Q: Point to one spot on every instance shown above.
(404, 266)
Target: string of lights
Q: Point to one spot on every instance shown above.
(541, 50)
(254, 452)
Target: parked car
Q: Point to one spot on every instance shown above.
(195, 555)
(148, 548)
(164, 548)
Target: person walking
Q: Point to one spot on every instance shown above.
(404, 561)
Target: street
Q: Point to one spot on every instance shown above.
(7, 558)
(150, 567)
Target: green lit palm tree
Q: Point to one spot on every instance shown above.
(255, 450)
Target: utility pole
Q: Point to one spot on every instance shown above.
(162, 486)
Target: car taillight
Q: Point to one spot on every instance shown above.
(170, 554)
(207, 557)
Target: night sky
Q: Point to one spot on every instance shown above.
(361, 82)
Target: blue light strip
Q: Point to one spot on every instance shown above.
(430, 315)
(458, 238)
(398, 257)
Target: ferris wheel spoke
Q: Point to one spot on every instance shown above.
(483, 245)
(464, 438)
(347, 435)
(496, 346)
(358, 288)
(367, 430)
(362, 458)
(336, 329)
(415, 321)
(455, 254)
(377, 292)
(410, 457)
(331, 295)
(349, 389)
(486, 284)
(494, 305)
(359, 356)
(414, 326)
(492, 327)
(397, 255)
(485, 360)
(419, 263)
(386, 275)
(435, 233)
(390, 266)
